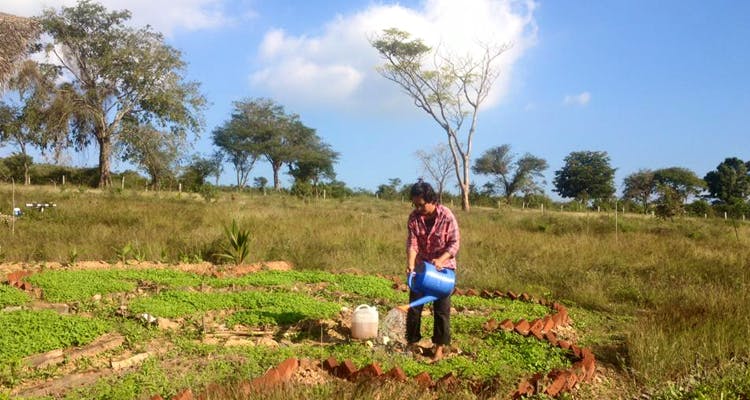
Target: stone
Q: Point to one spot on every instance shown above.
(564, 344)
(551, 338)
(166, 324)
(470, 292)
(549, 324)
(525, 297)
(486, 294)
(131, 361)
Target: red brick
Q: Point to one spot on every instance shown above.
(512, 295)
(564, 344)
(524, 297)
(536, 324)
(423, 379)
(557, 306)
(557, 385)
(576, 350)
(156, 397)
(370, 371)
(186, 394)
(525, 388)
(486, 294)
(498, 294)
(537, 333)
(25, 286)
(213, 391)
(586, 353)
(346, 369)
(522, 327)
(551, 338)
(490, 325)
(287, 369)
(245, 387)
(396, 285)
(507, 325)
(549, 324)
(470, 292)
(397, 374)
(458, 292)
(571, 381)
(447, 382)
(589, 365)
(330, 364)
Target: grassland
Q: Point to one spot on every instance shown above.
(664, 303)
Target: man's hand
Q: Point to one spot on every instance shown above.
(438, 263)
(409, 269)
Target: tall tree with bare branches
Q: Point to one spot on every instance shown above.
(450, 89)
(438, 163)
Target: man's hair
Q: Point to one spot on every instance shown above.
(424, 190)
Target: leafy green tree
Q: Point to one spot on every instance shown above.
(238, 140)
(17, 165)
(451, 91)
(389, 191)
(155, 152)
(197, 171)
(640, 187)
(260, 183)
(585, 175)
(511, 176)
(729, 183)
(669, 202)
(315, 162)
(112, 72)
(682, 181)
(24, 122)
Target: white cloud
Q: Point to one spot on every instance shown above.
(577, 99)
(337, 67)
(165, 16)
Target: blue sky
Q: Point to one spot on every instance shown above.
(653, 83)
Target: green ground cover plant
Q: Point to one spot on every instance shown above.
(255, 307)
(29, 332)
(12, 296)
(81, 285)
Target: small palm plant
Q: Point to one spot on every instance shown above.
(239, 244)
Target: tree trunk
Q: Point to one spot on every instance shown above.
(26, 176)
(465, 185)
(105, 150)
(276, 167)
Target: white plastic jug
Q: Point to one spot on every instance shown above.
(365, 322)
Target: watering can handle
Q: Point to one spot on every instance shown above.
(408, 280)
(362, 306)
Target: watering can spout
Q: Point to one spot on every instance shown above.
(422, 300)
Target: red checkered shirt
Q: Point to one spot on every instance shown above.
(443, 237)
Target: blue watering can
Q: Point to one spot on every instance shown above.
(433, 284)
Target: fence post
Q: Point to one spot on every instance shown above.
(179, 187)
(63, 181)
(542, 207)
(122, 185)
(725, 215)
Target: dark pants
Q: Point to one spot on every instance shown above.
(441, 311)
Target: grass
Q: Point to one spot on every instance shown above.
(675, 293)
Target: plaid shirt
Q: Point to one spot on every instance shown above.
(443, 237)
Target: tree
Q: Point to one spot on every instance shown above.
(275, 134)
(196, 172)
(238, 140)
(25, 123)
(389, 191)
(438, 163)
(512, 176)
(260, 182)
(682, 181)
(157, 153)
(585, 175)
(451, 91)
(315, 162)
(640, 186)
(116, 72)
(729, 183)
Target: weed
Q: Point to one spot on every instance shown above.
(238, 248)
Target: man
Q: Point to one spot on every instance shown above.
(433, 236)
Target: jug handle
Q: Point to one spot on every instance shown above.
(408, 280)
(361, 306)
